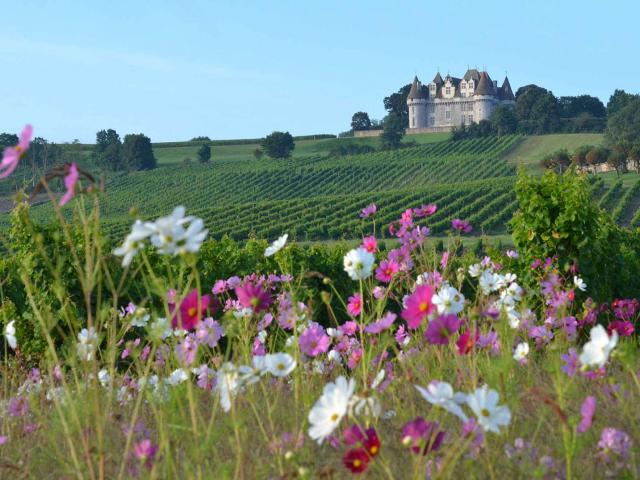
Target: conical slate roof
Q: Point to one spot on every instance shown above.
(505, 91)
(472, 73)
(416, 90)
(485, 86)
(438, 79)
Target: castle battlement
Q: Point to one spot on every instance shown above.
(451, 102)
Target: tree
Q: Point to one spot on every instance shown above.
(617, 160)
(503, 120)
(278, 145)
(8, 140)
(623, 127)
(396, 103)
(559, 160)
(619, 100)
(106, 152)
(537, 110)
(137, 153)
(392, 132)
(204, 153)
(200, 139)
(360, 121)
(572, 107)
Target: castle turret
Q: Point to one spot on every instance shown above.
(505, 94)
(484, 98)
(417, 104)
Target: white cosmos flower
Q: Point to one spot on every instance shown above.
(488, 282)
(87, 344)
(484, 404)
(368, 406)
(276, 246)
(358, 263)
(475, 270)
(579, 283)
(327, 412)
(596, 351)
(10, 334)
(279, 364)
(133, 242)
(178, 376)
(521, 351)
(170, 236)
(140, 317)
(513, 317)
(441, 393)
(161, 328)
(448, 300)
(227, 384)
(104, 378)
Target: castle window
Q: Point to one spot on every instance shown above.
(432, 120)
(447, 114)
(470, 118)
(448, 90)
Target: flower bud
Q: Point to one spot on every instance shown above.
(325, 296)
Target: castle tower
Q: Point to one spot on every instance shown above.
(484, 98)
(417, 104)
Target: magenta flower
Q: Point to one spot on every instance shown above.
(386, 270)
(587, 410)
(624, 328)
(369, 210)
(354, 307)
(444, 260)
(353, 435)
(70, 181)
(441, 329)
(253, 296)
(187, 349)
(419, 305)
(381, 325)
(314, 340)
(219, 287)
(466, 342)
(348, 328)
(209, 332)
(613, 443)
(370, 244)
(571, 362)
(463, 226)
(419, 432)
(191, 311)
(625, 309)
(145, 451)
(18, 406)
(12, 155)
(425, 210)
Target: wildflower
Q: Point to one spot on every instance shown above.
(624, 328)
(187, 349)
(161, 328)
(418, 306)
(371, 442)
(219, 287)
(18, 406)
(425, 210)
(279, 364)
(596, 351)
(419, 432)
(353, 435)
(10, 334)
(70, 181)
(354, 307)
(541, 334)
(104, 378)
(579, 283)
(587, 410)
(512, 254)
(276, 246)
(490, 415)
(441, 329)
(448, 300)
(145, 451)
(12, 155)
(209, 332)
(521, 352)
(314, 340)
(462, 226)
(133, 243)
(381, 325)
(176, 377)
(170, 237)
(475, 270)
(356, 460)
(369, 210)
(87, 344)
(253, 296)
(191, 311)
(466, 342)
(370, 244)
(614, 442)
(328, 411)
(488, 282)
(227, 384)
(441, 393)
(358, 263)
(401, 336)
(386, 271)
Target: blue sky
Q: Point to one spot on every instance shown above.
(174, 70)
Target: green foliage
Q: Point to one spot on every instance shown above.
(396, 104)
(137, 153)
(278, 145)
(619, 100)
(392, 132)
(107, 150)
(537, 110)
(572, 107)
(204, 153)
(360, 121)
(504, 120)
(557, 217)
(623, 126)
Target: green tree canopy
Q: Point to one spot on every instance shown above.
(619, 100)
(537, 110)
(392, 132)
(204, 153)
(137, 153)
(360, 121)
(623, 127)
(278, 145)
(572, 107)
(503, 120)
(106, 152)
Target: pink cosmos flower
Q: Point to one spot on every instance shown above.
(444, 260)
(191, 311)
(419, 432)
(370, 244)
(354, 307)
(356, 460)
(425, 210)
(419, 305)
(369, 210)
(219, 287)
(466, 342)
(441, 329)
(587, 410)
(186, 350)
(353, 435)
(348, 328)
(378, 293)
(145, 451)
(18, 406)
(386, 270)
(571, 362)
(512, 254)
(12, 155)
(253, 296)
(463, 226)
(354, 358)
(258, 349)
(381, 325)
(70, 181)
(314, 340)
(624, 328)
(209, 332)
(401, 336)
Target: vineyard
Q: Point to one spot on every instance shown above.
(317, 196)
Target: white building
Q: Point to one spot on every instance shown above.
(452, 102)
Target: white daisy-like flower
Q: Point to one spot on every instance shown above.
(10, 334)
(484, 404)
(176, 377)
(227, 385)
(368, 406)
(475, 270)
(276, 246)
(448, 300)
(133, 242)
(140, 317)
(279, 364)
(579, 283)
(87, 344)
(442, 394)
(328, 411)
(334, 356)
(596, 351)
(358, 263)
(488, 282)
(161, 328)
(170, 236)
(104, 378)
(521, 351)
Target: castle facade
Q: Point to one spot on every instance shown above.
(451, 102)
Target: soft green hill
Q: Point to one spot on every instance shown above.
(532, 149)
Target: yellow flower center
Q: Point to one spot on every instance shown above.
(485, 412)
(374, 450)
(357, 463)
(334, 417)
(192, 311)
(280, 366)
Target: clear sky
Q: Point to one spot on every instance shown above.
(237, 69)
